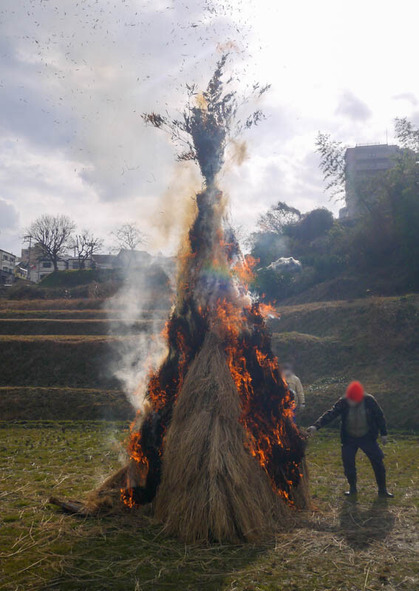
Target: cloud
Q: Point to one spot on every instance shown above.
(79, 75)
(352, 107)
(415, 118)
(26, 108)
(410, 97)
(9, 226)
(9, 217)
(76, 77)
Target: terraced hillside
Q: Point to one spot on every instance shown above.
(375, 340)
(56, 359)
(56, 355)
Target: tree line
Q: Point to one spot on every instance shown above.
(55, 236)
(385, 238)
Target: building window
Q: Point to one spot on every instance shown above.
(47, 265)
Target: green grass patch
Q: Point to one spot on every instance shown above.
(80, 277)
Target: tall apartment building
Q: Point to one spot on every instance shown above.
(363, 164)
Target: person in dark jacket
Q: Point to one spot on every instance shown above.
(361, 421)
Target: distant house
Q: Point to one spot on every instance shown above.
(7, 267)
(38, 266)
(74, 264)
(133, 258)
(104, 261)
(43, 267)
(123, 260)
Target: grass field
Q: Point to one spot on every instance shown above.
(56, 304)
(339, 546)
(37, 403)
(56, 363)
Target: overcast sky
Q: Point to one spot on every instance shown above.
(76, 75)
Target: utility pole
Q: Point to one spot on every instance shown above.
(28, 238)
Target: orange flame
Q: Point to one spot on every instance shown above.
(261, 437)
(267, 432)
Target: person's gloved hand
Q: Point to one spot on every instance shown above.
(311, 430)
(384, 439)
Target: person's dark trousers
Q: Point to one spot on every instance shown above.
(374, 453)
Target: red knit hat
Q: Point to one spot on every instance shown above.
(355, 391)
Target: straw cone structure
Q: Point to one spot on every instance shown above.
(212, 488)
(216, 451)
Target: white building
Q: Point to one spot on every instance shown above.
(42, 268)
(133, 258)
(104, 261)
(364, 166)
(7, 267)
(74, 264)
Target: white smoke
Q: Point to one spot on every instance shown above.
(137, 315)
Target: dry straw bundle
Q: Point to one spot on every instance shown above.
(203, 481)
(212, 489)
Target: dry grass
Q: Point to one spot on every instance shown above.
(13, 313)
(35, 403)
(212, 489)
(339, 547)
(71, 338)
(69, 361)
(53, 326)
(58, 304)
(93, 315)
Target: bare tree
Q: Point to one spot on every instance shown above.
(128, 237)
(85, 245)
(52, 234)
(277, 217)
(407, 134)
(332, 164)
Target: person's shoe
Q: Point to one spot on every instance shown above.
(384, 494)
(352, 492)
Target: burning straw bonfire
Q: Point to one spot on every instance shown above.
(216, 449)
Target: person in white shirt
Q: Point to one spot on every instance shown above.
(295, 386)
